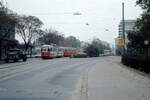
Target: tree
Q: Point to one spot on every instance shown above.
(143, 23)
(142, 27)
(28, 28)
(8, 21)
(51, 36)
(92, 50)
(145, 4)
(72, 41)
(95, 48)
(136, 39)
(141, 30)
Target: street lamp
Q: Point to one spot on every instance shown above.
(77, 13)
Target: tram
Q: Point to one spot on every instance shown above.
(51, 51)
(48, 51)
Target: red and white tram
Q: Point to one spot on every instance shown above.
(48, 51)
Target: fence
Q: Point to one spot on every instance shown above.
(138, 62)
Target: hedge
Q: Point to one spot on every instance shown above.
(138, 62)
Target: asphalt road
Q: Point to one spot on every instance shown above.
(37, 79)
(64, 79)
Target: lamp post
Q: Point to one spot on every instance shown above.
(123, 29)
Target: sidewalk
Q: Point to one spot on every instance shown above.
(111, 81)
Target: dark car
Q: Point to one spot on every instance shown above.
(15, 55)
(81, 55)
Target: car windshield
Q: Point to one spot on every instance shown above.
(74, 49)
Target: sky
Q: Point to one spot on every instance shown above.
(102, 16)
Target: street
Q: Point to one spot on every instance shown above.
(101, 78)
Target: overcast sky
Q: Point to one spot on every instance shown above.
(99, 14)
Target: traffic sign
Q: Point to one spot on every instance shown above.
(122, 42)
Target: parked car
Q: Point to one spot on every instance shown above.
(15, 55)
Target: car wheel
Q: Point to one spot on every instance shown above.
(6, 60)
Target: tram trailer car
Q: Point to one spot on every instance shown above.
(60, 52)
(67, 52)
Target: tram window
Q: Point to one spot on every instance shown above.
(48, 49)
(55, 49)
(52, 49)
(59, 49)
(44, 49)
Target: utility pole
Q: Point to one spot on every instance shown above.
(123, 29)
